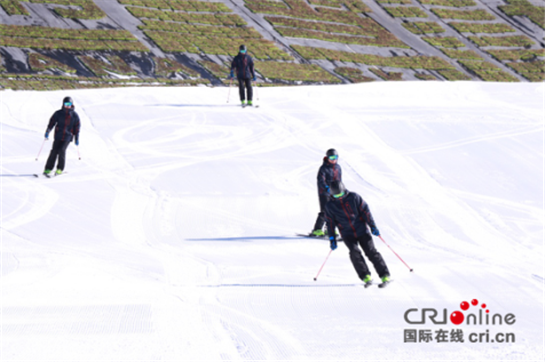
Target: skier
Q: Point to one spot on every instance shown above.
(67, 125)
(329, 171)
(351, 214)
(244, 66)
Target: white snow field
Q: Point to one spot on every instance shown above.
(174, 237)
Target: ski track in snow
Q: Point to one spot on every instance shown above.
(174, 237)
(506, 134)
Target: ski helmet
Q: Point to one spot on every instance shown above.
(67, 100)
(337, 189)
(242, 49)
(332, 154)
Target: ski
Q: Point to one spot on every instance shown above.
(51, 175)
(380, 285)
(325, 237)
(313, 236)
(384, 284)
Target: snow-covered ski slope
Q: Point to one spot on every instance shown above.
(173, 238)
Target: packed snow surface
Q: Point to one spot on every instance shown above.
(173, 238)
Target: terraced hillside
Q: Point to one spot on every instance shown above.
(63, 44)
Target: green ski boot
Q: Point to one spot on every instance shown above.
(385, 281)
(317, 233)
(368, 281)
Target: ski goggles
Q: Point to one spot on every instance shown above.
(243, 51)
(333, 157)
(68, 104)
(338, 195)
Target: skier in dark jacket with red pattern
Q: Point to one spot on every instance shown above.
(243, 64)
(350, 213)
(329, 171)
(67, 125)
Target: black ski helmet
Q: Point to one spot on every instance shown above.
(337, 187)
(332, 152)
(67, 100)
(242, 49)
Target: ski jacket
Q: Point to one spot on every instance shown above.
(66, 123)
(328, 173)
(350, 214)
(244, 66)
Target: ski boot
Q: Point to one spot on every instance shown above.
(243, 103)
(317, 233)
(47, 173)
(385, 281)
(58, 172)
(368, 281)
(250, 103)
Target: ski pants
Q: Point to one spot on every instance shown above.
(58, 150)
(368, 246)
(320, 221)
(242, 84)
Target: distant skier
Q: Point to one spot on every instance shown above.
(67, 125)
(351, 214)
(329, 171)
(244, 66)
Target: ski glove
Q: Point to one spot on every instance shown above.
(46, 135)
(332, 243)
(375, 231)
(77, 142)
(255, 78)
(232, 74)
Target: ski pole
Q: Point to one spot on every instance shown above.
(410, 269)
(79, 156)
(256, 90)
(45, 139)
(319, 271)
(229, 92)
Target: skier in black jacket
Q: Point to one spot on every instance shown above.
(244, 66)
(351, 214)
(329, 171)
(67, 125)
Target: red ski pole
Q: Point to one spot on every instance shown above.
(45, 139)
(410, 269)
(79, 156)
(319, 271)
